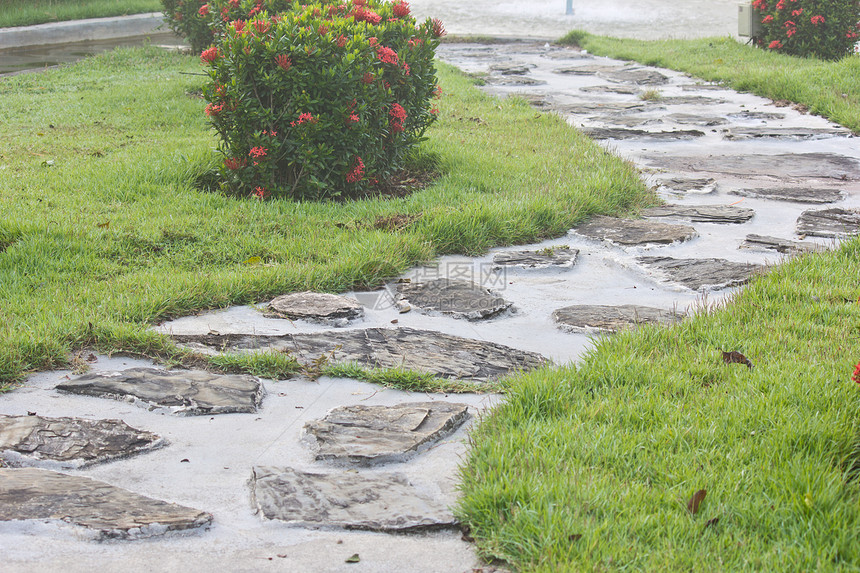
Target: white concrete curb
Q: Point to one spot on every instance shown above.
(82, 30)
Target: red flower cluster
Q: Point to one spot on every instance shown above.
(260, 192)
(234, 163)
(352, 119)
(284, 62)
(368, 78)
(438, 28)
(767, 19)
(398, 116)
(305, 117)
(210, 55)
(341, 41)
(234, 3)
(401, 9)
(816, 20)
(856, 376)
(775, 45)
(262, 26)
(239, 26)
(214, 109)
(357, 172)
(322, 30)
(369, 16)
(258, 152)
(204, 10)
(387, 55)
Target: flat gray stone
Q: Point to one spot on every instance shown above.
(701, 87)
(699, 185)
(368, 435)
(797, 165)
(762, 242)
(698, 273)
(316, 306)
(64, 443)
(585, 70)
(702, 213)
(602, 107)
(634, 231)
(513, 81)
(511, 69)
(561, 257)
(690, 100)
(455, 298)
(793, 194)
(642, 77)
(694, 119)
(104, 511)
(757, 115)
(627, 120)
(566, 54)
(377, 501)
(613, 89)
(190, 392)
(441, 355)
(835, 223)
(600, 318)
(788, 133)
(622, 133)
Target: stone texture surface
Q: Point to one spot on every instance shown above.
(757, 115)
(698, 273)
(554, 257)
(634, 231)
(441, 355)
(829, 223)
(753, 241)
(107, 512)
(191, 392)
(627, 120)
(315, 306)
(600, 107)
(456, 298)
(695, 119)
(375, 501)
(702, 213)
(613, 89)
(700, 185)
(828, 165)
(513, 81)
(740, 133)
(601, 318)
(621, 133)
(793, 194)
(69, 442)
(642, 77)
(690, 100)
(586, 70)
(511, 69)
(367, 435)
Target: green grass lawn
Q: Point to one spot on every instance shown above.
(104, 232)
(830, 89)
(592, 467)
(30, 12)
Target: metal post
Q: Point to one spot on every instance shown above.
(569, 7)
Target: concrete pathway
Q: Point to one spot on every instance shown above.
(251, 484)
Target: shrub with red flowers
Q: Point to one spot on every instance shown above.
(319, 100)
(826, 29)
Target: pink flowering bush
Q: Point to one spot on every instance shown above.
(322, 99)
(826, 29)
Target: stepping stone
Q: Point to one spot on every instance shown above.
(511, 69)
(586, 70)
(835, 223)
(690, 100)
(188, 392)
(591, 318)
(316, 307)
(762, 242)
(621, 133)
(456, 298)
(566, 55)
(368, 435)
(66, 443)
(104, 511)
(561, 257)
(702, 213)
(693, 119)
(513, 81)
(793, 194)
(698, 273)
(762, 115)
(701, 185)
(441, 355)
(636, 76)
(634, 231)
(784, 165)
(629, 121)
(602, 107)
(791, 133)
(613, 89)
(377, 501)
(701, 87)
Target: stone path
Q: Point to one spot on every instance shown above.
(303, 474)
